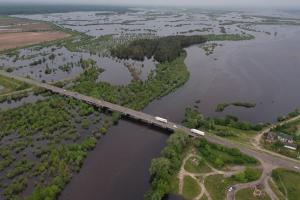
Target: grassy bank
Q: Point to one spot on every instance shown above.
(288, 183)
(9, 85)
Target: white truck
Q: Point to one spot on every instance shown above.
(161, 119)
(198, 132)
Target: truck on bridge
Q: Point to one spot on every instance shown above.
(161, 119)
(201, 133)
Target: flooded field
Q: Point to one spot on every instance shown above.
(52, 64)
(264, 71)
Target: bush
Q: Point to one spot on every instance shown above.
(85, 124)
(220, 156)
(164, 167)
(249, 175)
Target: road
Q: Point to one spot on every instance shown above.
(267, 158)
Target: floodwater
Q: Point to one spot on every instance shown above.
(264, 71)
(115, 71)
(118, 168)
(17, 103)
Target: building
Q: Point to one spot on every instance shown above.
(285, 138)
(291, 146)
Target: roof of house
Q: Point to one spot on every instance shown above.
(285, 136)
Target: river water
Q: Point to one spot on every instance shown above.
(263, 71)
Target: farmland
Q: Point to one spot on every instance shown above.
(22, 32)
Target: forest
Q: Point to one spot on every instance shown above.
(164, 49)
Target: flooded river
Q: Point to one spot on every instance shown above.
(264, 71)
(260, 71)
(119, 166)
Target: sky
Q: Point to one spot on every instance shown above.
(236, 3)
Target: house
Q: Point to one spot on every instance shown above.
(282, 137)
(285, 138)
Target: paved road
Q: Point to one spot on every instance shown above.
(267, 158)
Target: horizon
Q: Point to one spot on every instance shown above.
(246, 4)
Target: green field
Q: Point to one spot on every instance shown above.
(288, 183)
(276, 190)
(8, 85)
(247, 194)
(191, 189)
(217, 186)
(196, 165)
(240, 136)
(221, 157)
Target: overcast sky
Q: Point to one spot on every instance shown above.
(245, 3)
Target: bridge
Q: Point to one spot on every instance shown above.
(263, 155)
(137, 115)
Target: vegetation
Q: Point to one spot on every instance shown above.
(278, 147)
(229, 37)
(288, 183)
(291, 128)
(166, 78)
(249, 175)
(8, 85)
(220, 156)
(43, 145)
(223, 106)
(163, 169)
(196, 165)
(194, 119)
(164, 49)
(190, 188)
(209, 48)
(247, 194)
(292, 114)
(217, 186)
(276, 190)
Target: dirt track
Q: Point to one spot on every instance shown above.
(13, 40)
